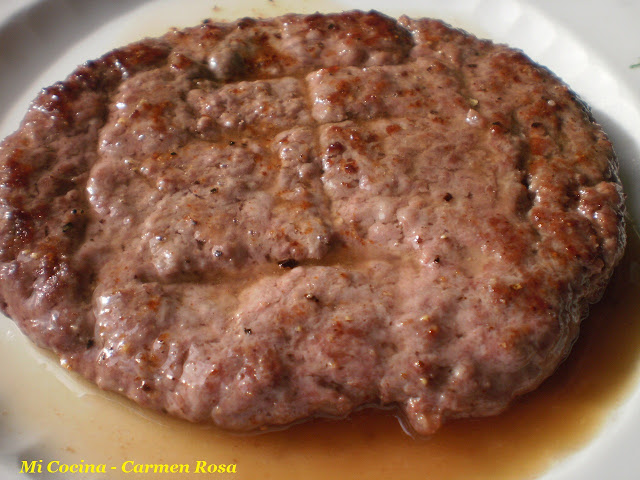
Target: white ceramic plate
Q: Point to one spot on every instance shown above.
(42, 41)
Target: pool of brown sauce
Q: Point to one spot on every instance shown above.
(53, 415)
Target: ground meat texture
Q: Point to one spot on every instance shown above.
(259, 222)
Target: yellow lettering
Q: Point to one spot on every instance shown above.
(124, 466)
(51, 465)
(200, 466)
(179, 468)
(231, 468)
(33, 467)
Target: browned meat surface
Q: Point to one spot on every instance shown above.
(264, 221)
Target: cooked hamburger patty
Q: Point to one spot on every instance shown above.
(258, 222)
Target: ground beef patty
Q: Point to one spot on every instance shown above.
(258, 222)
